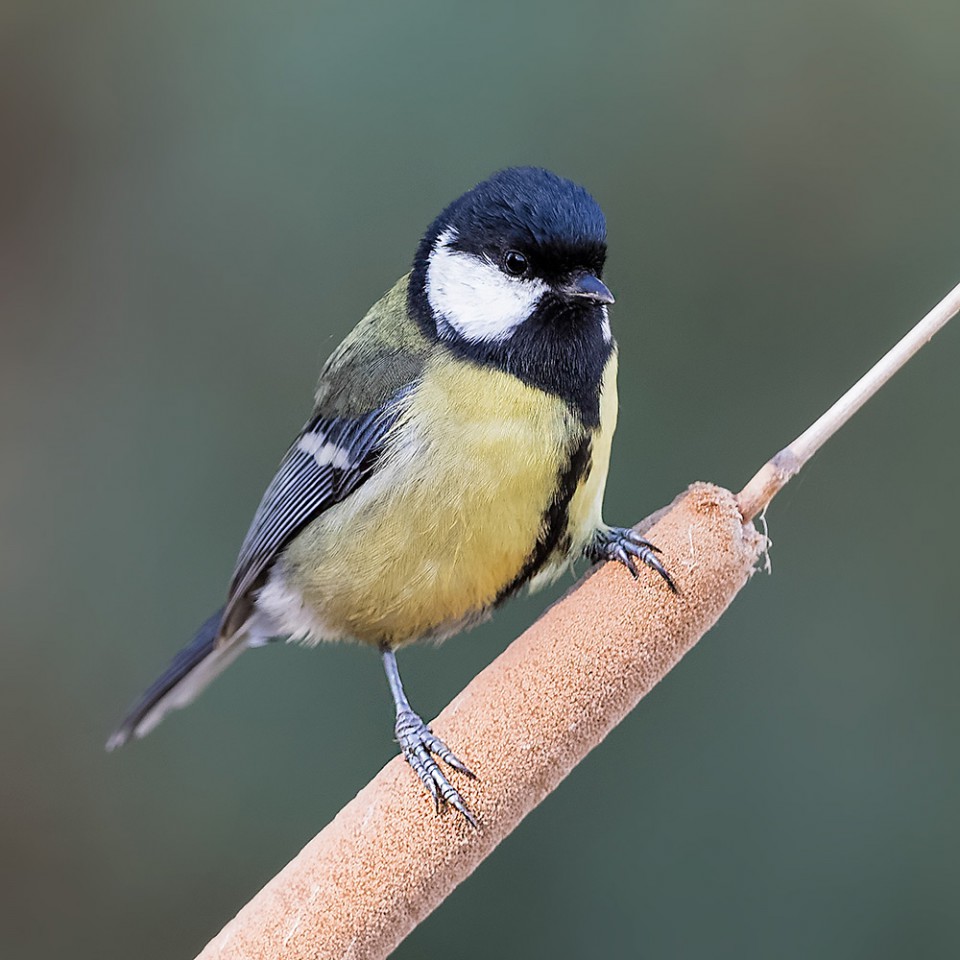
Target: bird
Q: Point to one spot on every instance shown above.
(457, 453)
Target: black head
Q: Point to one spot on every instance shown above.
(510, 275)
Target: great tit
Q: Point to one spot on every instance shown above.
(457, 452)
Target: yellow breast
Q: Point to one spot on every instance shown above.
(586, 506)
(585, 511)
(454, 511)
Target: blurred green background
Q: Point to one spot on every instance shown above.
(198, 200)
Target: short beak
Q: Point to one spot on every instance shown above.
(590, 287)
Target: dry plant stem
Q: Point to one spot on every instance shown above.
(774, 475)
(387, 860)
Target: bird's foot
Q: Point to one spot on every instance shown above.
(625, 545)
(419, 745)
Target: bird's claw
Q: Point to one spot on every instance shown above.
(419, 745)
(625, 545)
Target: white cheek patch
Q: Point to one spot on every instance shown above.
(325, 453)
(473, 297)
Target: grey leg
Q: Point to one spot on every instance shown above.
(419, 745)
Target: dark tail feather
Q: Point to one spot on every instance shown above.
(191, 670)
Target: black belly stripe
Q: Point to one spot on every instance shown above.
(555, 534)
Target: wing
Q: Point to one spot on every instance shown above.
(332, 456)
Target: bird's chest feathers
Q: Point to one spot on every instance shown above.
(453, 516)
(586, 505)
(490, 445)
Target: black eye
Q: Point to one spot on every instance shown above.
(515, 263)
